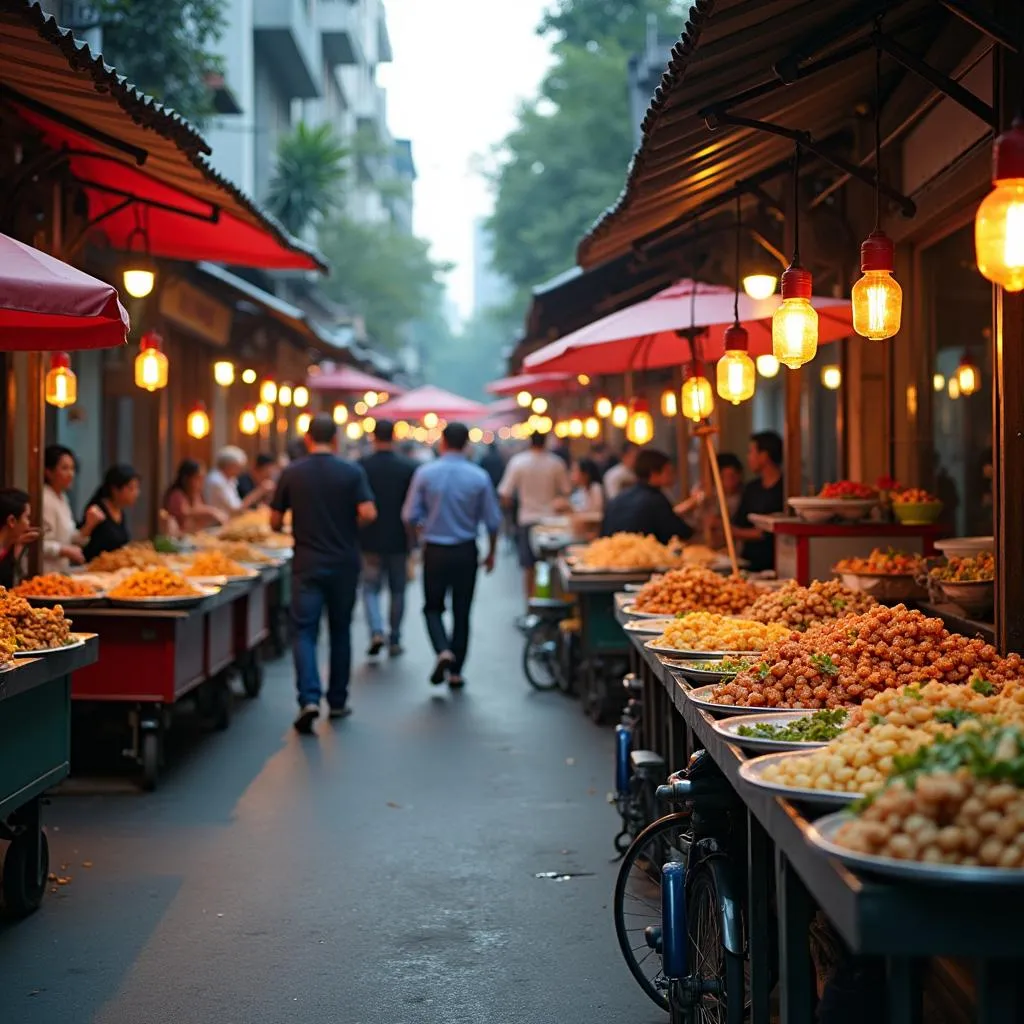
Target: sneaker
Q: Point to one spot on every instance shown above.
(376, 645)
(440, 673)
(396, 651)
(306, 717)
(456, 682)
(340, 712)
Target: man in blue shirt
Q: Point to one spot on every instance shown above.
(329, 499)
(448, 501)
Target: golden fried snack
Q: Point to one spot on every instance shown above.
(34, 628)
(54, 584)
(214, 563)
(706, 631)
(131, 556)
(154, 583)
(692, 588)
(802, 607)
(624, 551)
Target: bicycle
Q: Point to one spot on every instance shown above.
(549, 653)
(679, 900)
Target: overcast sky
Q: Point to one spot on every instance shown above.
(460, 68)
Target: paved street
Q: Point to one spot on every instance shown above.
(382, 871)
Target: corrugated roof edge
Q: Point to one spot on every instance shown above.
(679, 61)
(144, 110)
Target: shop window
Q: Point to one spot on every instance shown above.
(958, 323)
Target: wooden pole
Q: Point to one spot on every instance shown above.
(682, 438)
(706, 433)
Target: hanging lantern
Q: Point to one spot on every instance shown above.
(139, 274)
(224, 373)
(247, 422)
(249, 376)
(582, 379)
(698, 402)
(370, 398)
(620, 416)
(284, 395)
(360, 408)
(268, 392)
(795, 322)
(197, 423)
(877, 297)
(640, 425)
(591, 428)
(302, 422)
(340, 414)
(382, 397)
(61, 385)
(562, 429)
(300, 397)
(831, 377)
(402, 430)
(476, 435)
(544, 424)
(968, 377)
(539, 406)
(938, 382)
(264, 414)
(760, 286)
(151, 363)
(369, 425)
(523, 399)
(669, 403)
(999, 222)
(767, 366)
(735, 374)
(603, 407)
(430, 420)
(575, 427)
(354, 431)
(954, 388)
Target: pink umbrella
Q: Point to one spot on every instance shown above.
(428, 399)
(48, 306)
(645, 335)
(535, 383)
(347, 378)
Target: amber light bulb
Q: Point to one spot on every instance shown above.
(669, 403)
(151, 364)
(620, 416)
(736, 374)
(603, 407)
(60, 388)
(999, 222)
(640, 425)
(698, 401)
(877, 298)
(795, 322)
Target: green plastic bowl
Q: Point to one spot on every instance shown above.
(919, 513)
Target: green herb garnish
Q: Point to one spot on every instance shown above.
(982, 686)
(824, 663)
(954, 716)
(820, 727)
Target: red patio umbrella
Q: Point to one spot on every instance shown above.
(645, 335)
(48, 306)
(416, 404)
(348, 378)
(535, 383)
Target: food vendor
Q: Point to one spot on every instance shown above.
(221, 490)
(264, 468)
(184, 503)
(62, 539)
(118, 493)
(643, 508)
(761, 496)
(588, 494)
(16, 531)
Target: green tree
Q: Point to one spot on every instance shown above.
(595, 23)
(467, 361)
(308, 176)
(164, 48)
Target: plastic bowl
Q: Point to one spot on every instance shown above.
(917, 513)
(965, 547)
(976, 597)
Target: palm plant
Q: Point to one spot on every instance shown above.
(307, 180)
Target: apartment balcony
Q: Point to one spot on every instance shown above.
(339, 32)
(384, 52)
(286, 36)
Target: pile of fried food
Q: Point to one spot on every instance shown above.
(800, 608)
(55, 584)
(214, 563)
(159, 582)
(253, 527)
(695, 589)
(883, 562)
(32, 629)
(979, 569)
(137, 555)
(625, 551)
(707, 631)
(238, 550)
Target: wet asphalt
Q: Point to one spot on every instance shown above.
(382, 871)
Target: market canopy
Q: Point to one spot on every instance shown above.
(139, 164)
(646, 335)
(429, 399)
(47, 306)
(535, 383)
(349, 379)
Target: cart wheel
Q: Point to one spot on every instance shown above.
(252, 675)
(151, 757)
(221, 701)
(24, 880)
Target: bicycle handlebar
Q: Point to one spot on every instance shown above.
(675, 792)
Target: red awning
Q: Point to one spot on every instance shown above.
(349, 379)
(429, 399)
(535, 383)
(47, 306)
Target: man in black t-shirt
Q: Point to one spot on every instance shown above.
(385, 542)
(643, 508)
(329, 499)
(762, 496)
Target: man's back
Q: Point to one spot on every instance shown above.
(389, 476)
(323, 493)
(538, 479)
(450, 499)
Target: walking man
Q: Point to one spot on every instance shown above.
(330, 499)
(448, 502)
(385, 542)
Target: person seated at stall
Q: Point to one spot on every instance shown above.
(701, 509)
(264, 468)
(184, 503)
(221, 490)
(62, 539)
(16, 532)
(118, 493)
(588, 494)
(622, 475)
(762, 496)
(643, 508)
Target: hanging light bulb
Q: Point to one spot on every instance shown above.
(197, 424)
(640, 425)
(139, 274)
(354, 431)
(268, 392)
(603, 407)
(224, 373)
(284, 395)
(999, 222)
(831, 377)
(264, 414)
(340, 414)
(582, 379)
(562, 429)
(523, 399)
(968, 376)
(249, 376)
(539, 406)
(61, 385)
(402, 430)
(760, 286)
(371, 399)
(620, 416)
(591, 428)
(698, 401)
(938, 382)
(369, 425)
(382, 397)
(669, 403)
(476, 435)
(735, 374)
(151, 363)
(954, 388)
(544, 424)
(360, 408)
(302, 422)
(300, 397)
(575, 427)
(767, 366)
(247, 422)
(430, 420)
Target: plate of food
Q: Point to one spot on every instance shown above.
(214, 568)
(74, 640)
(702, 698)
(701, 672)
(630, 609)
(710, 635)
(56, 588)
(968, 582)
(886, 574)
(158, 588)
(653, 626)
(765, 773)
(783, 730)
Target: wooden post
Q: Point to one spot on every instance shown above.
(706, 433)
(792, 439)
(682, 437)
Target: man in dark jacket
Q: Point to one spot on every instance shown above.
(643, 508)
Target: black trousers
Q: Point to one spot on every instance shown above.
(449, 569)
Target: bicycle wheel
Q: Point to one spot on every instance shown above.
(710, 961)
(637, 899)
(540, 656)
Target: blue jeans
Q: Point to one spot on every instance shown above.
(333, 588)
(378, 569)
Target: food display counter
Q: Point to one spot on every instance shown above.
(35, 753)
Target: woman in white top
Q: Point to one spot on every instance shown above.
(62, 540)
(588, 495)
